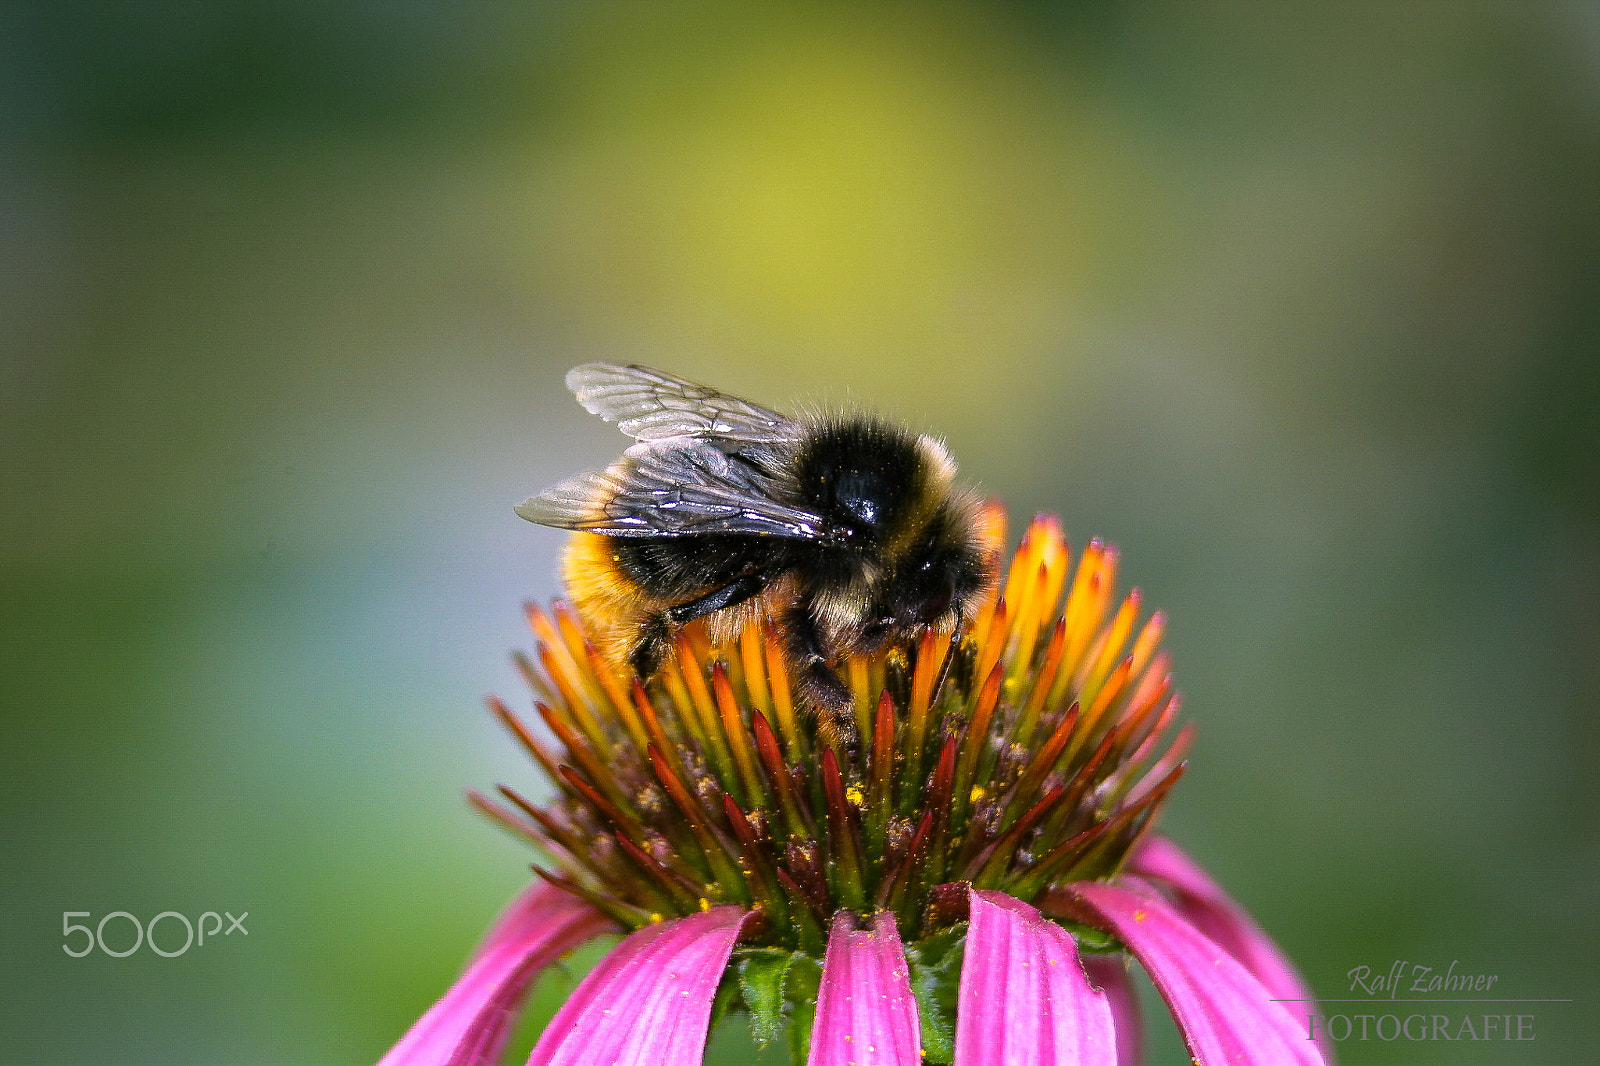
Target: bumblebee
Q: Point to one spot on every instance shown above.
(848, 531)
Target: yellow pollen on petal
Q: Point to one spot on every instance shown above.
(1139, 916)
(856, 797)
(978, 792)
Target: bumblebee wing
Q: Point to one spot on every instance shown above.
(579, 502)
(649, 405)
(688, 488)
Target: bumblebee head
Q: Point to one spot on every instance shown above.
(910, 553)
(940, 572)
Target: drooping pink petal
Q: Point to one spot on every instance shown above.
(866, 1014)
(1024, 999)
(470, 1024)
(527, 913)
(648, 1002)
(1224, 1013)
(1110, 974)
(1213, 912)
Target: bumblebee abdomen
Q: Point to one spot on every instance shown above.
(628, 589)
(678, 568)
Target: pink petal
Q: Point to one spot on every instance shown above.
(648, 1003)
(1110, 974)
(526, 914)
(866, 1015)
(469, 1026)
(1211, 910)
(1225, 1014)
(1024, 998)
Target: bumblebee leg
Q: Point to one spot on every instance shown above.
(819, 686)
(735, 592)
(655, 634)
(651, 646)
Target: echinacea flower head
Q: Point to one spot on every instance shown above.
(966, 883)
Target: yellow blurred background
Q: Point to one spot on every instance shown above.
(1299, 305)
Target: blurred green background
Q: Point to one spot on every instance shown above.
(1299, 305)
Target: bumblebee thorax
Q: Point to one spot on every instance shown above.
(866, 476)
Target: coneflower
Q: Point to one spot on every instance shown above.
(964, 885)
